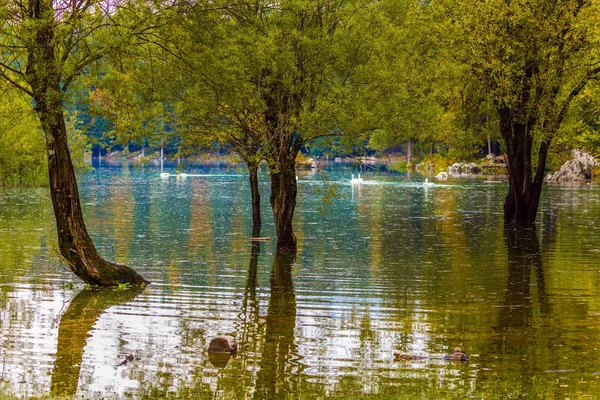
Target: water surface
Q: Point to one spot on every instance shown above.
(391, 266)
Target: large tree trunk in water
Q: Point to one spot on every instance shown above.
(283, 202)
(524, 190)
(256, 221)
(74, 242)
(44, 76)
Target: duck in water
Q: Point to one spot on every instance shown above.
(407, 357)
(457, 355)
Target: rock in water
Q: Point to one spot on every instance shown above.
(577, 169)
(223, 344)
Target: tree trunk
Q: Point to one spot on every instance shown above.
(524, 188)
(44, 77)
(409, 153)
(431, 148)
(489, 143)
(256, 221)
(283, 202)
(74, 242)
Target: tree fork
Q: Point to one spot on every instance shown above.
(524, 190)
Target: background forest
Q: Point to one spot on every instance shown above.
(348, 78)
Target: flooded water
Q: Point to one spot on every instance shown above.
(392, 266)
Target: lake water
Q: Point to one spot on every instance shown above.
(388, 266)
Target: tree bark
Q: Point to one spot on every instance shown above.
(74, 242)
(256, 220)
(524, 188)
(409, 153)
(283, 202)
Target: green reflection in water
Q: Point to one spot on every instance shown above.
(391, 267)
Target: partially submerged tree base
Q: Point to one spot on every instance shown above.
(111, 274)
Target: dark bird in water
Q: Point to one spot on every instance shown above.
(457, 355)
(126, 360)
(407, 357)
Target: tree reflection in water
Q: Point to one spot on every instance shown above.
(74, 330)
(275, 375)
(524, 254)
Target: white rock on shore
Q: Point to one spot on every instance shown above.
(577, 169)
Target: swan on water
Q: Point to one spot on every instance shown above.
(356, 180)
(427, 183)
(164, 175)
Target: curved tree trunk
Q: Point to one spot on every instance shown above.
(74, 242)
(524, 188)
(283, 202)
(44, 77)
(256, 221)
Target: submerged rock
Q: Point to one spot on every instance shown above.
(223, 344)
(577, 169)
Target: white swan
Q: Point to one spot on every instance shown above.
(427, 183)
(354, 180)
(164, 175)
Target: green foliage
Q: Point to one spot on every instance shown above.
(400, 166)
(22, 144)
(532, 58)
(79, 145)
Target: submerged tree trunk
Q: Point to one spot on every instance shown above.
(74, 242)
(283, 202)
(524, 188)
(256, 220)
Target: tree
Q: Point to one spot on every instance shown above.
(44, 46)
(268, 79)
(531, 60)
(409, 80)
